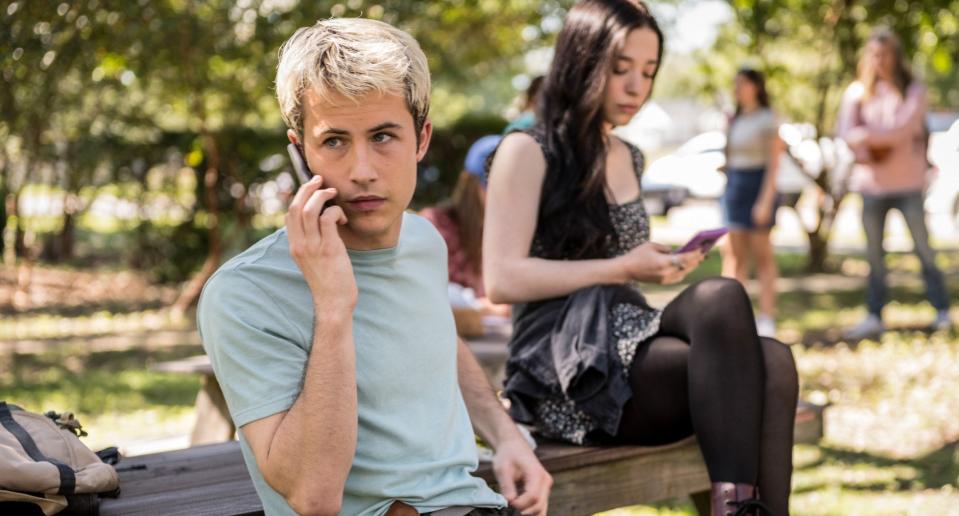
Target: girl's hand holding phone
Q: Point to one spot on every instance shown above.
(657, 263)
(317, 248)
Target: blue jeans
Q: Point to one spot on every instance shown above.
(910, 204)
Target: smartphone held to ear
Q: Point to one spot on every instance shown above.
(702, 241)
(302, 172)
(300, 169)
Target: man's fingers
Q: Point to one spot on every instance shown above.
(330, 218)
(531, 492)
(507, 484)
(305, 191)
(539, 509)
(294, 221)
(314, 205)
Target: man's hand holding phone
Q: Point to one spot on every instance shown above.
(317, 248)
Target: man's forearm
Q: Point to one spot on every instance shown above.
(314, 444)
(490, 420)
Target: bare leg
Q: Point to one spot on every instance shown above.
(737, 256)
(766, 270)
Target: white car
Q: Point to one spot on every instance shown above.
(696, 165)
(942, 196)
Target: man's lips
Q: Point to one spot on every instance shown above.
(366, 202)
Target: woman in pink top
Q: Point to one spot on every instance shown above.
(882, 118)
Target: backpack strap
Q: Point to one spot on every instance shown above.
(68, 478)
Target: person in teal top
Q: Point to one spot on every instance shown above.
(527, 118)
(332, 338)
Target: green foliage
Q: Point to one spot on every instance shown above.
(809, 49)
(93, 91)
(170, 254)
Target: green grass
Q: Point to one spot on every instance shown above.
(115, 395)
(892, 429)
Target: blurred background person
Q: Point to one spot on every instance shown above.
(882, 118)
(750, 200)
(527, 118)
(459, 220)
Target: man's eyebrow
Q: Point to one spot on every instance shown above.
(385, 125)
(343, 132)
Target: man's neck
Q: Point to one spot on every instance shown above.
(366, 242)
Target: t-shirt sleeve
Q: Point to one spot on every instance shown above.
(258, 355)
(849, 110)
(770, 127)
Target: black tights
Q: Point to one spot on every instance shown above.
(707, 372)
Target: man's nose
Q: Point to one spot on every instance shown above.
(362, 170)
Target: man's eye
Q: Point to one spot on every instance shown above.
(382, 137)
(333, 143)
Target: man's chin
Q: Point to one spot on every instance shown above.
(372, 228)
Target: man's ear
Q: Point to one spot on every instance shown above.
(291, 135)
(424, 141)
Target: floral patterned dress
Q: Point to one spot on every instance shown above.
(556, 415)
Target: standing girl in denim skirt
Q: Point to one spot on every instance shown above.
(750, 200)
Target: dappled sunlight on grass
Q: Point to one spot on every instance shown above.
(898, 396)
(49, 326)
(671, 508)
(114, 394)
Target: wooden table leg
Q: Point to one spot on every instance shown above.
(213, 422)
(701, 502)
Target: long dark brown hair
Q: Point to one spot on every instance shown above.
(467, 207)
(756, 77)
(901, 75)
(573, 213)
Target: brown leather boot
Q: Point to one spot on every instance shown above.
(729, 499)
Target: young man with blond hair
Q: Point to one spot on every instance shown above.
(332, 338)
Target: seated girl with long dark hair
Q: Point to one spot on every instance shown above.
(567, 242)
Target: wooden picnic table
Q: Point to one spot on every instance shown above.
(213, 480)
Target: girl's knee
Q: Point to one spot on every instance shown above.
(781, 375)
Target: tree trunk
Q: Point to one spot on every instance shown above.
(818, 251)
(191, 293)
(3, 216)
(65, 239)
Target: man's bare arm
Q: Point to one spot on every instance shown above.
(305, 453)
(521, 477)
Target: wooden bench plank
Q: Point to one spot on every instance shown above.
(213, 479)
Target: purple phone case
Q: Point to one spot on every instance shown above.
(704, 240)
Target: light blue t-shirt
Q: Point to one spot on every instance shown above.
(415, 442)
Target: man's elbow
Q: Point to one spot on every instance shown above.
(316, 503)
(319, 497)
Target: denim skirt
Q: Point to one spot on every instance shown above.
(742, 191)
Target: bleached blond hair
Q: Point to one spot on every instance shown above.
(353, 57)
